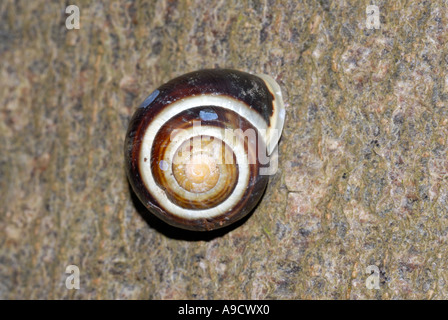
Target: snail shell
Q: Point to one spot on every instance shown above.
(196, 148)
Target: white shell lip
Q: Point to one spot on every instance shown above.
(277, 120)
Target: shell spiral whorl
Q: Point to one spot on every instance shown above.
(196, 148)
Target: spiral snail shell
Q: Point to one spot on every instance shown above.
(197, 148)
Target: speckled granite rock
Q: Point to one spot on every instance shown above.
(363, 158)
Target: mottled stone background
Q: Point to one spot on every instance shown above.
(363, 157)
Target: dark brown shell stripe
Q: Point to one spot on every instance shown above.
(241, 86)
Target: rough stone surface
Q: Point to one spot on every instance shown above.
(363, 157)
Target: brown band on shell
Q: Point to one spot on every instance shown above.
(242, 86)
